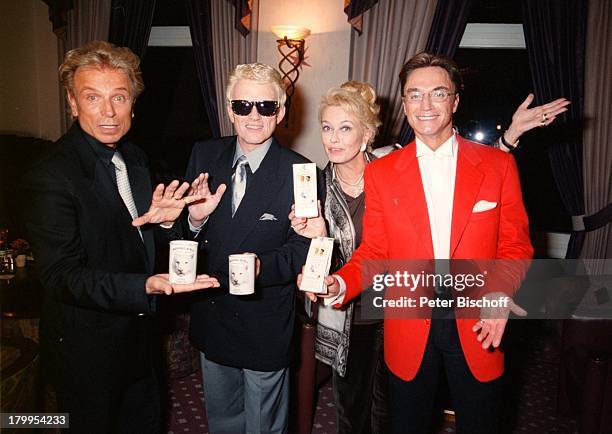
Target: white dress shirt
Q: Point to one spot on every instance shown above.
(438, 170)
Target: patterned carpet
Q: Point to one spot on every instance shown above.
(325, 415)
(187, 406)
(532, 371)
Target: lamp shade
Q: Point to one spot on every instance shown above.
(291, 32)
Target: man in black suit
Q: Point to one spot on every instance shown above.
(245, 340)
(98, 343)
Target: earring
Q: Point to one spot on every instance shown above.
(132, 115)
(363, 148)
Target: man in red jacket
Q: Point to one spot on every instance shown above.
(441, 197)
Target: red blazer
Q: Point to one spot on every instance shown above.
(396, 226)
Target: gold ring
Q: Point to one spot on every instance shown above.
(544, 117)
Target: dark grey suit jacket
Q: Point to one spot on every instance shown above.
(252, 332)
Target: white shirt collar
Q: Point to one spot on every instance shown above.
(448, 148)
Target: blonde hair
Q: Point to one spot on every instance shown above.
(102, 55)
(358, 99)
(260, 73)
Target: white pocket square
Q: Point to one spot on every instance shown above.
(266, 216)
(483, 205)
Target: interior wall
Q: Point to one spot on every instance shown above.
(327, 62)
(29, 90)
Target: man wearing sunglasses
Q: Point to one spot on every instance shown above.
(245, 340)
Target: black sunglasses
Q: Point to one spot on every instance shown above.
(242, 107)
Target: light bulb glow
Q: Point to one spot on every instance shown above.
(291, 32)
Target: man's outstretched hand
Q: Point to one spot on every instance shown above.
(493, 320)
(207, 202)
(525, 118)
(160, 284)
(167, 203)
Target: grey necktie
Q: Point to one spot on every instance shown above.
(239, 182)
(123, 185)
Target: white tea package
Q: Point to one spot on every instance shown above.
(183, 261)
(317, 265)
(305, 190)
(242, 273)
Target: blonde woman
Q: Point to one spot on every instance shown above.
(349, 123)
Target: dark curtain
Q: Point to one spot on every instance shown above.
(354, 9)
(58, 13)
(555, 32)
(130, 24)
(200, 24)
(446, 32)
(242, 18)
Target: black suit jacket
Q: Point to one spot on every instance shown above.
(252, 332)
(93, 266)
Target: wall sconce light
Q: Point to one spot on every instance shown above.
(291, 46)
